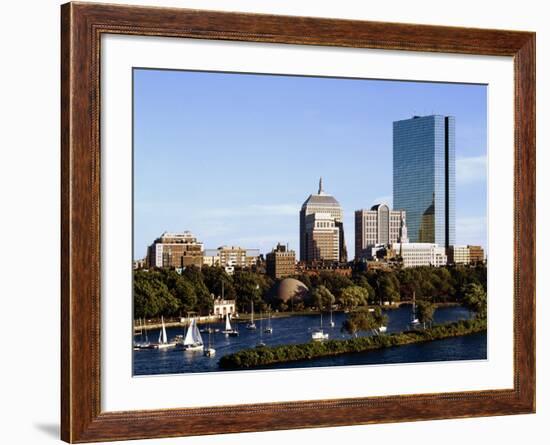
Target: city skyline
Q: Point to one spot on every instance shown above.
(232, 157)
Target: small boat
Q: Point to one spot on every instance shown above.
(415, 322)
(163, 338)
(144, 342)
(382, 329)
(193, 339)
(209, 351)
(269, 328)
(251, 325)
(261, 342)
(318, 334)
(228, 329)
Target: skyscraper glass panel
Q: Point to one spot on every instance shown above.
(424, 177)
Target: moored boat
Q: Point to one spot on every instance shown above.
(163, 342)
(193, 339)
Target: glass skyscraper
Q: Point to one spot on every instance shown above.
(424, 177)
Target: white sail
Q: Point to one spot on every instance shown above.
(163, 337)
(227, 323)
(196, 334)
(189, 340)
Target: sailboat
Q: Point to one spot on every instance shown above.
(331, 320)
(268, 329)
(163, 338)
(415, 322)
(318, 334)
(228, 330)
(209, 351)
(261, 343)
(251, 324)
(193, 339)
(142, 331)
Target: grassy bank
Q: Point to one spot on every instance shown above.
(261, 356)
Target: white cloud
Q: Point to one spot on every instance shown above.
(470, 170)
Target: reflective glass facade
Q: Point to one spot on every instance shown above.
(424, 177)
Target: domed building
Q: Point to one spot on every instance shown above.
(291, 289)
(322, 228)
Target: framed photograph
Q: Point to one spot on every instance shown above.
(274, 222)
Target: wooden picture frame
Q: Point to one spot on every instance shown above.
(82, 25)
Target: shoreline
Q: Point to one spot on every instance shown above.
(252, 358)
(245, 317)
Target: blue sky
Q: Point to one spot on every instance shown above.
(232, 157)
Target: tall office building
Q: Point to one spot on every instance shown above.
(379, 225)
(424, 177)
(328, 205)
(322, 238)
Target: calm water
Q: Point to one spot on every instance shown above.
(298, 330)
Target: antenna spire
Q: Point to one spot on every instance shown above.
(320, 186)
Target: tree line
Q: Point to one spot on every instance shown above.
(169, 293)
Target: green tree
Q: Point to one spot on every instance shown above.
(363, 320)
(334, 282)
(388, 287)
(425, 311)
(362, 281)
(353, 296)
(475, 299)
(216, 279)
(322, 297)
(152, 297)
(205, 302)
(248, 287)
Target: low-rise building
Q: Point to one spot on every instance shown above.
(175, 250)
(224, 307)
(140, 264)
(318, 267)
(280, 262)
(211, 257)
(477, 254)
(420, 254)
(237, 256)
(231, 257)
(458, 255)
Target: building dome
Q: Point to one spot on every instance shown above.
(290, 288)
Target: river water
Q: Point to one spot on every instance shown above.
(297, 329)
